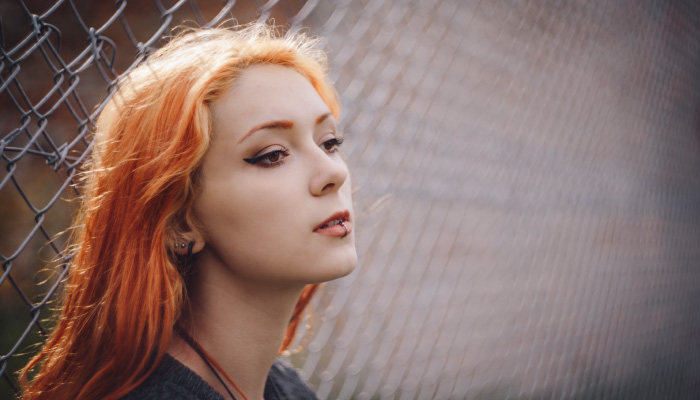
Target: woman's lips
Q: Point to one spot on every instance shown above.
(337, 225)
(336, 230)
(337, 217)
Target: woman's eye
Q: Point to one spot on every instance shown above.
(274, 157)
(269, 159)
(332, 145)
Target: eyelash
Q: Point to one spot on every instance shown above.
(335, 143)
(258, 160)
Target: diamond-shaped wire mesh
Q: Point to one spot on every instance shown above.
(527, 176)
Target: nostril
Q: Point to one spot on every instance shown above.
(328, 186)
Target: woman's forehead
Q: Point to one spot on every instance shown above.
(264, 93)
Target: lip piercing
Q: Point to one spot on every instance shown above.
(346, 229)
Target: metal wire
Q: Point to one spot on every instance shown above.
(527, 176)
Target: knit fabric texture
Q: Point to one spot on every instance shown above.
(174, 381)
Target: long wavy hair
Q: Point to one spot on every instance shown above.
(125, 293)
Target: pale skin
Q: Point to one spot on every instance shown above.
(258, 244)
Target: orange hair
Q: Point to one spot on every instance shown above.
(124, 292)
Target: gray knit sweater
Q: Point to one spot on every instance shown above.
(173, 381)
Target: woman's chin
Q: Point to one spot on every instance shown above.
(340, 266)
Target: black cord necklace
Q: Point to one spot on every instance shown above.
(195, 346)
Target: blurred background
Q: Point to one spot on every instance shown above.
(527, 179)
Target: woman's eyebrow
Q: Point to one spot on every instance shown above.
(322, 118)
(282, 124)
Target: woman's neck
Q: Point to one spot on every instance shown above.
(241, 324)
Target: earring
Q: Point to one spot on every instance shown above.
(185, 261)
(189, 258)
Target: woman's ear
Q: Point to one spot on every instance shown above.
(181, 245)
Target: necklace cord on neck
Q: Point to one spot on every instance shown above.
(209, 360)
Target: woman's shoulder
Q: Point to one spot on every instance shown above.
(284, 382)
(172, 380)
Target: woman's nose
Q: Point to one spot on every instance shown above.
(329, 172)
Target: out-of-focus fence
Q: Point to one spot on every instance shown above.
(527, 175)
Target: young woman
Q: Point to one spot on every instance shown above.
(215, 202)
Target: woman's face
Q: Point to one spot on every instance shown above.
(271, 178)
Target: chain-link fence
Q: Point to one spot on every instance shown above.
(527, 176)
